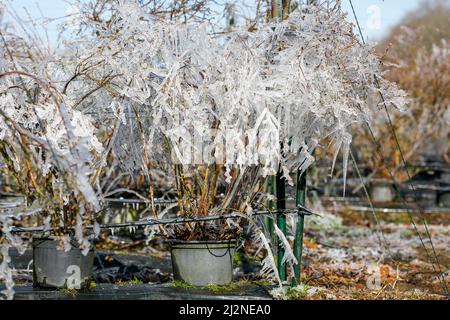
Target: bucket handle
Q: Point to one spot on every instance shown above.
(217, 255)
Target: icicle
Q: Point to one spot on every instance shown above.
(345, 154)
(6, 273)
(96, 229)
(288, 257)
(47, 225)
(79, 228)
(66, 243)
(86, 246)
(269, 267)
(347, 140)
(150, 232)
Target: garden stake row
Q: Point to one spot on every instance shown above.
(300, 199)
(281, 222)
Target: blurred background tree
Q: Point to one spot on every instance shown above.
(416, 54)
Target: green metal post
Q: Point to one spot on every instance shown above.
(281, 222)
(269, 186)
(300, 199)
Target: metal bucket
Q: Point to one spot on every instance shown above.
(382, 193)
(445, 177)
(53, 268)
(444, 200)
(203, 262)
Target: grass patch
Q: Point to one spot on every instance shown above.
(133, 281)
(92, 285)
(222, 288)
(72, 292)
(407, 234)
(297, 293)
(399, 218)
(214, 288)
(181, 284)
(239, 258)
(234, 286)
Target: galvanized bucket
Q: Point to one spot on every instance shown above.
(203, 262)
(444, 200)
(382, 193)
(53, 268)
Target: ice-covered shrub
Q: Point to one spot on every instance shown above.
(49, 149)
(279, 90)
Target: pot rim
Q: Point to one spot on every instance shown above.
(41, 236)
(36, 240)
(44, 237)
(177, 241)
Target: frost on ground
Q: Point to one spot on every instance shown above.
(347, 261)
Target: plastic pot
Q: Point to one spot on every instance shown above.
(53, 268)
(203, 262)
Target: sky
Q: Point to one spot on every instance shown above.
(376, 17)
